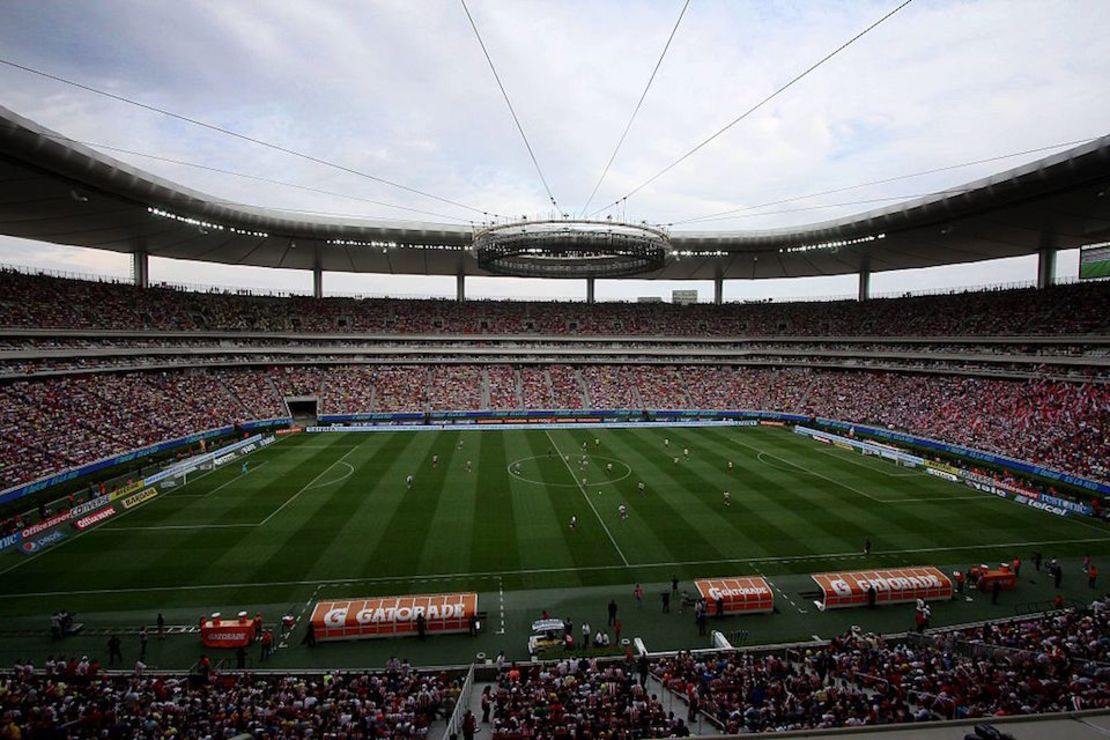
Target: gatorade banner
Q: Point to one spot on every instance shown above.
(747, 595)
(139, 498)
(393, 616)
(893, 586)
(226, 633)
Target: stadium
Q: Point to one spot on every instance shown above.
(297, 512)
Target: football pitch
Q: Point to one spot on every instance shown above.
(331, 515)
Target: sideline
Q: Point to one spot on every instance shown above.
(533, 571)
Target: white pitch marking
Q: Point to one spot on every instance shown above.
(534, 571)
(587, 497)
(781, 592)
(227, 483)
(159, 527)
(340, 479)
(804, 469)
(501, 595)
(627, 472)
(863, 465)
(292, 498)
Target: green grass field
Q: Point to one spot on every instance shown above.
(323, 515)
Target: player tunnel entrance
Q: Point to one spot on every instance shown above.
(302, 408)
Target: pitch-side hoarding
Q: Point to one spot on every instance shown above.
(892, 586)
(393, 616)
(746, 595)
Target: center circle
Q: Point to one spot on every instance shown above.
(617, 464)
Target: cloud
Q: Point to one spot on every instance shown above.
(400, 89)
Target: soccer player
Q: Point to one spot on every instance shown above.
(867, 546)
(728, 498)
(622, 511)
(641, 487)
(609, 467)
(597, 442)
(583, 482)
(435, 460)
(468, 466)
(408, 481)
(245, 468)
(573, 522)
(459, 447)
(676, 461)
(686, 452)
(666, 441)
(730, 466)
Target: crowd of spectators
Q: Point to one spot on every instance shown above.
(745, 692)
(1058, 425)
(452, 387)
(567, 391)
(861, 679)
(401, 388)
(535, 388)
(1049, 663)
(39, 301)
(1074, 634)
(29, 369)
(51, 424)
(503, 383)
(252, 392)
(348, 390)
(73, 700)
(296, 380)
(608, 387)
(578, 698)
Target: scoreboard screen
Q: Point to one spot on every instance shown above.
(1094, 261)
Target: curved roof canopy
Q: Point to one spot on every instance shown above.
(56, 190)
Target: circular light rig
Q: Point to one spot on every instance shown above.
(571, 249)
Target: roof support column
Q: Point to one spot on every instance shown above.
(317, 282)
(864, 284)
(589, 290)
(1046, 263)
(719, 289)
(460, 287)
(140, 268)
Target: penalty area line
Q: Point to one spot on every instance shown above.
(309, 485)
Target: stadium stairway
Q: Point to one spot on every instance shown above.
(584, 389)
(485, 388)
(550, 386)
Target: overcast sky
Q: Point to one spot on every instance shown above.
(401, 90)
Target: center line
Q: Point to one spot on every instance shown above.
(587, 495)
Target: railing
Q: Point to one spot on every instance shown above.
(454, 722)
(1038, 607)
